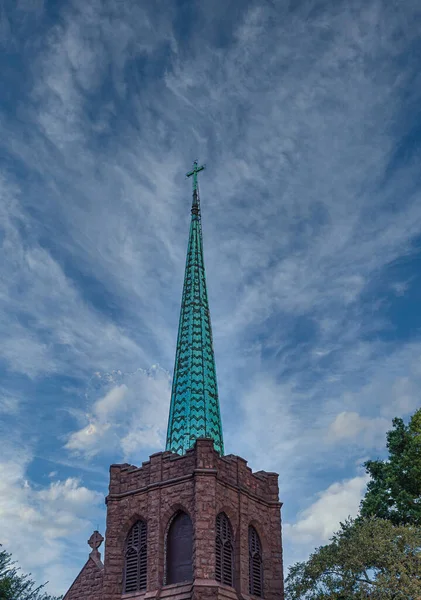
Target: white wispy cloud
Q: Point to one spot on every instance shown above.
(9, 403)
(350, 425)
(316, 524)
(128, 418)
(64, 329)
(51, 519)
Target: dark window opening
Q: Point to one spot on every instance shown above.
(135, 563)
(255, 564)
(224, 549)
(180, 550)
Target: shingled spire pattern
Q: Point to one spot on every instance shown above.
(194, 409)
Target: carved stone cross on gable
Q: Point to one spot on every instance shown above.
(95, 540)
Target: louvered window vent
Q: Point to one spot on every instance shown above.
(255, 564)
(224, 550)
(135, 564)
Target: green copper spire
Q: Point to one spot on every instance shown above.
(194, 409)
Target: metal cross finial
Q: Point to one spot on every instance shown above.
(194, 172)
(95, 540)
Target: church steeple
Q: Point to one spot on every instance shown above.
(194, 409)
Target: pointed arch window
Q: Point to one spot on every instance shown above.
(135, 558)
(255, 563)
(179, 550)
(224, 571)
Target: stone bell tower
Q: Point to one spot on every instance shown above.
(191, 522)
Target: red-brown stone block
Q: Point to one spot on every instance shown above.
(88, 584)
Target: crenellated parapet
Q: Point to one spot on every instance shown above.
(167, 468)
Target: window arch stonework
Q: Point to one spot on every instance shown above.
(135, 558)
(179, 549)
(224, 550)
(255, 563)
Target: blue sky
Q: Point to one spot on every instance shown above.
(308, 117)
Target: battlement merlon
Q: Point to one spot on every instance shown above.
(167, 468)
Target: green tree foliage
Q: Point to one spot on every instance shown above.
(15, 586)
(376, 556)
(394, 491)
(367, 559)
